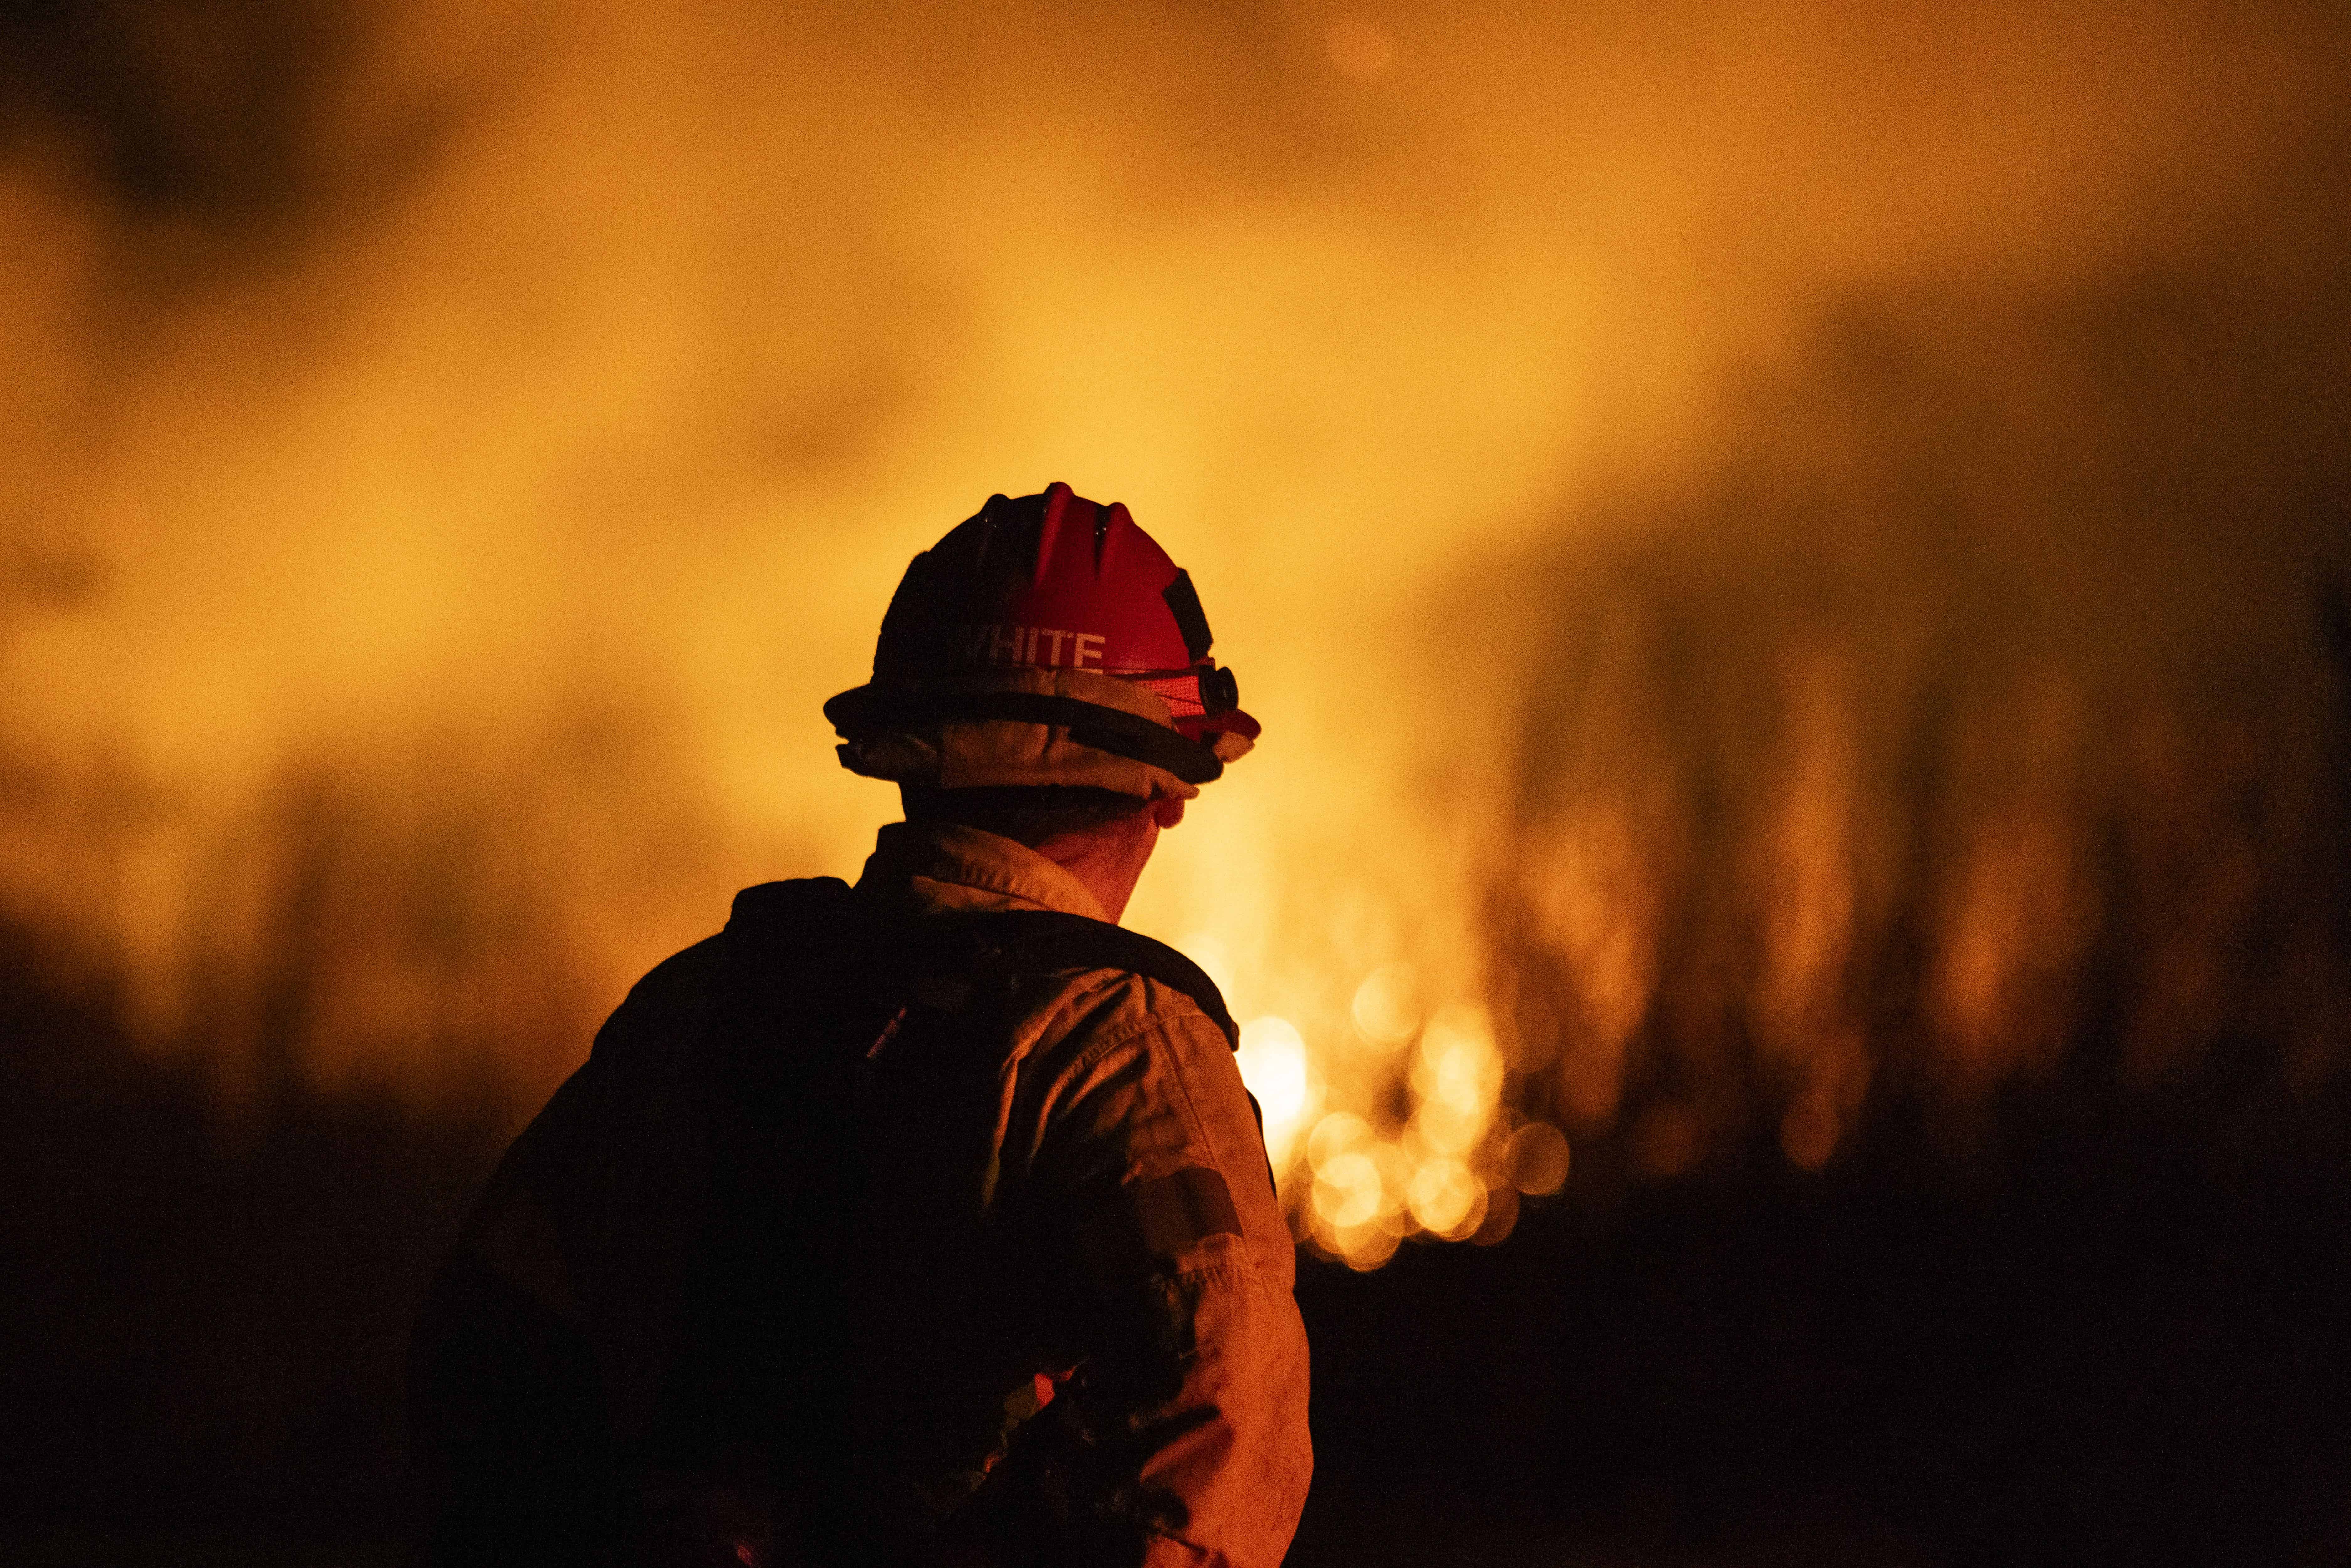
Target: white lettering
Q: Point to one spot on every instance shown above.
(1053, 653)
(1004, 645)
(1078, 654)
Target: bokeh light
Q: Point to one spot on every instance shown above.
(1274, 1065)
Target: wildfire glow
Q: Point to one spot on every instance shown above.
(1274, 1064)
(1629, 465)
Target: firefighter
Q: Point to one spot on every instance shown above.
(920, 1222)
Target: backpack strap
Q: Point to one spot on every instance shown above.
(822, 913)
(1032, 942)
(781, 911)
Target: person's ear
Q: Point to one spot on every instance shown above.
(1167, 810)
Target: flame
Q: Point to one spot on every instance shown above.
(447, 473)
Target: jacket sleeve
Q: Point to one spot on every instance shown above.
(1197, 1387)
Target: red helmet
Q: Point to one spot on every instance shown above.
(1019, 613)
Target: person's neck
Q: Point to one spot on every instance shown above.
(1107, 864)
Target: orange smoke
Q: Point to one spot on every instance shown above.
(454, 450)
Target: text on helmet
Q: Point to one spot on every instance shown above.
(993, 642)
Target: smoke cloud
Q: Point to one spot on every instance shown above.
(1780, 533)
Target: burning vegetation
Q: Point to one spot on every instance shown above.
(1783, 559)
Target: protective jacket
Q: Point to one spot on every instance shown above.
(922, 1222)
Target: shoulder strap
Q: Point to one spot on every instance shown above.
(1038, 941)
(1019, 942)
(818, 902)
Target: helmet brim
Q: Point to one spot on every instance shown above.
(875, 709)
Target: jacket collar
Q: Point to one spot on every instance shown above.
(944, 867)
